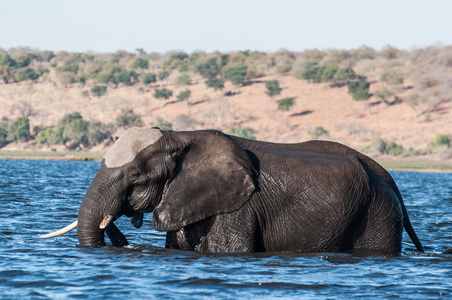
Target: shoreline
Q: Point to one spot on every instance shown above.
(407, 165)
(51, 155)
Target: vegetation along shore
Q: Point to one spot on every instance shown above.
(393, 105)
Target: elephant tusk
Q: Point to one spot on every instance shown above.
(60, 231)
(106, 221)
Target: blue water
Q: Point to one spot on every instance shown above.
(37, 197)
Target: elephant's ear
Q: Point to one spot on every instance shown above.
(213, 176)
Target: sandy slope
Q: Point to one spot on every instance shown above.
(347, 121)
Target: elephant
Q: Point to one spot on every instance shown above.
(220, 193)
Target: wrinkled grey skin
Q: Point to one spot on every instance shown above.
(214, 192)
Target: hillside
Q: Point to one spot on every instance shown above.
(319, 106)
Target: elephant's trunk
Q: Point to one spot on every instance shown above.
(99, 203)
(89, 218)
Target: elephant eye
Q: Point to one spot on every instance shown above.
(134, 175)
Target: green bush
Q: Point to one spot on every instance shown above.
(215, 83)
(78, 78)
(149, 78)
(41, 70)
(163, 93)
(246, 133)
(359, 89)
(184, 95)
(7, 74)
(26, 73)
(393, 149)
(441, 140)
(286, 103)
(313, 74)
(99, 90)
(23, 61)
(73, 130)
(344, 75)
(235, 73)
(45, 55)
(49, 136)
(361, 95)
(176, 60)
(68, 68)
(273, 88)
(116, 74)
(19, 130)
(127, 118)
(163, 74)
(328, 73)
(3, 133)
(7, 60)
(209, 68)
(140, 63)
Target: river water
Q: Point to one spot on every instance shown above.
(37, 197)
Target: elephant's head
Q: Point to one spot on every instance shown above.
(182, 177)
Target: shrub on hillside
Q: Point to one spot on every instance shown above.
(7, 60)
(313, 74)
(286, 103)
(393, 148)
(209, 68)
(26, 73)
(359, 89)
(127, 118)
(7, 74)
(273, 88)
(441, 140)
(184, 95)
(3, 133)
(19, 130)
(149, 78)
(140, 63)
(177, 60)
(329, 73)
(116, 74)
(343, 76)
(163, 93)
(49, 136)
(215, 83)
(235, 73)
(99, 90)
(163, 74)
(68, 68)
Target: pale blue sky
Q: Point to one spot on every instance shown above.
(165, 25)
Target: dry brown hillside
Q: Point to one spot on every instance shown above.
(360, 124)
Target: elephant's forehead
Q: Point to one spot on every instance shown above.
(129, 144)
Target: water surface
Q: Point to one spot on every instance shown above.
(37, 197)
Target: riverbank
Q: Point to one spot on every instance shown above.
(51, 155)
(415, 165)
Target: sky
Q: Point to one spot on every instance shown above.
(103, 26)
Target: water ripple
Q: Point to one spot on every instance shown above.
(39, 196)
